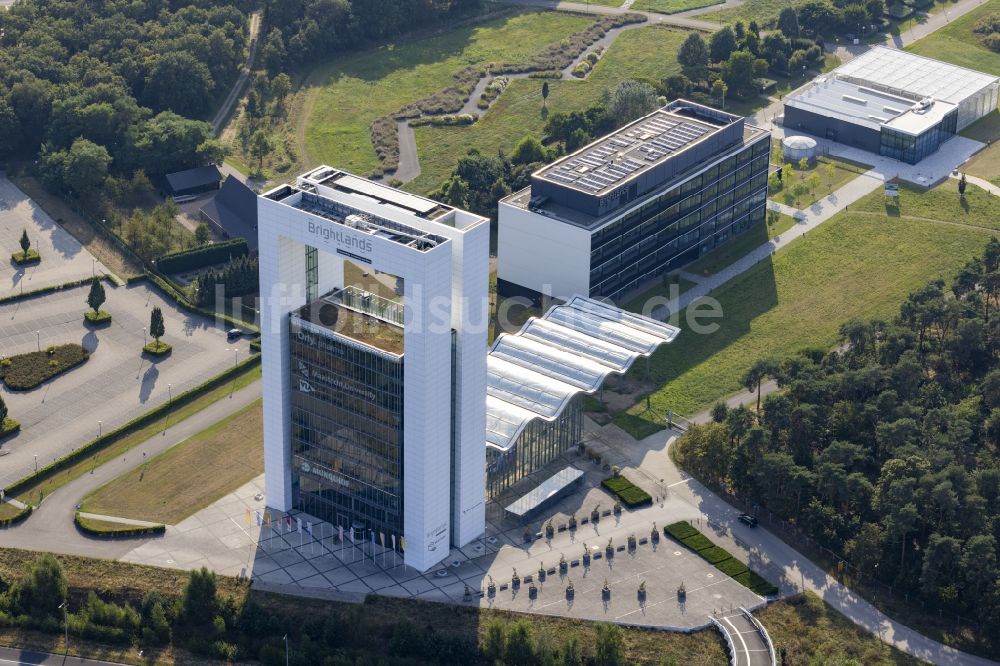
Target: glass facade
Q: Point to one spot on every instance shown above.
(312, 274)
(677, 226)
(347, 430)
(911, 149)
(540, 443)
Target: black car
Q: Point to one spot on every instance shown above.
(234, 334)
(748, 520)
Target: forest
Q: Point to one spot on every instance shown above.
(884, 450)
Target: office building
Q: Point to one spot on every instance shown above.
(893, 103)
(374, 408)
(649, 197)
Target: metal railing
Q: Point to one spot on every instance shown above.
(371, 304)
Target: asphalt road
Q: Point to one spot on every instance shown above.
(18, 657)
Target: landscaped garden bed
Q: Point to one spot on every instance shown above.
(157, 348)
(26, 371)
(9, 427)
(630, 494)
(100, 317)
(26, 258)
(108, 529)
(720, 558)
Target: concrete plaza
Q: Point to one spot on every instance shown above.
(117, 384)
(63, 258)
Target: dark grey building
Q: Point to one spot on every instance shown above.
(233, 212)
(193, 181)
(648, 198)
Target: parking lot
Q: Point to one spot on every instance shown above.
(63, 259)
(117, 384)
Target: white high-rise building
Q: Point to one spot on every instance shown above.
(374, 320)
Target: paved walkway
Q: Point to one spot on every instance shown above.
(750, 648)
(116, 519)
(980, 182)
(787, 210)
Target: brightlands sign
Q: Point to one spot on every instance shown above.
(340, 237)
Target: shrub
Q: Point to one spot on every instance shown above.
(582, 69)
(630, 494)
(158, 348)
(731, 567)
(26, 371)
(106, 530)
(714, 554)
(99, 317)
(756, 583)
(26, 258)
(697, 542)
(680, 530)
(547, 74)
(200, 257)
(445, 121)
(9, 427)
(385, 138)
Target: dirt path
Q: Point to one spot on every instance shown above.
(218, 123)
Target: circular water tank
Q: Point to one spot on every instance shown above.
(795, 148)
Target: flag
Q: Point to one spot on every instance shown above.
(351, 535)
(381, 538)
(267, 518)
(288, 523)
(309, 528)
(393, 537)
(258, 518)
(340, 531)
(248, 517)
(402, 544)
(300, 524)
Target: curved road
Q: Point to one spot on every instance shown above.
(751, 650)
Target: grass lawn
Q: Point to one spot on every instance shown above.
(8, 510)
(765, 12)
(347, 94)
(833, 174)
(814, 633)
(34, 493)
(956, 43)
(862, 263)
(985, 163)
(648, 53)
(671, 6)
(188, 477)
(738, 247)
(661, 292)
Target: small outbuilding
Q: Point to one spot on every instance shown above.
(193, 181)
(795, 148)
(232, 213)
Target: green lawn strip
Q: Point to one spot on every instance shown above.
(829, 182)
(985, 129)
(671, 6)
(858, 264)
(657, 295)
(11, 515)
(736, 248)
(109, 529)
(50, 478)
(648, 53)
(956, 43)
(26, 371)
(698, 542)
(8, 511)
(189, 476)
(630, 494)
(351, 92)
(637, 426)
(99, 317)
(680, 530)
(757, 583)
(985, 163)
(978, 208)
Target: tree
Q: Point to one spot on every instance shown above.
(45, 589)
(737, 72)
(281, 87)
(545, 93)
(199, 603)
(85, 166)
(693, 53)
(274, 51)
(25, 242)
(260, 147)
(788, 22)
(520, 644)
(494, 641)
(528, 151)
(610, 649)
(962, 184)
(178, 82)
(813, 182)
(630, 100)
(202, 234)
(722, 44)
(96, 297)
(677, 85)
(804, 164)
(157, 329)
(3, 412)
(719, 89)
(817, 16)
(758, 372)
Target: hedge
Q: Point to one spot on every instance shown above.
(181, 300)
(697, 542)
(42, 291)
(20, 517)
(99, 317)
(9, 427)
(680, 531)
(96, 445)
(206, 255)
(732, 567)
(26, 371)
(22, 259)
(630, 494)
(89, 528)
(757, 583)
(714, 554)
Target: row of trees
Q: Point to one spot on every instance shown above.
(886, 450)
(302, 30)
(238, 277)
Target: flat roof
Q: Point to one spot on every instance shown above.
(345, 182)
(197, 177)
(330, 312)
(872, 108)
(544, 491)
(534, 373)
(902, 71)
(603, 165)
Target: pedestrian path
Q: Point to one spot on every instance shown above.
(116, 519)
(787, 210)
(981, 183)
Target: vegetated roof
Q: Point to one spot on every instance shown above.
(535, 372)
(197, 177)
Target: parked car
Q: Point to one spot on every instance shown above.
(234, 334)
(748, 520)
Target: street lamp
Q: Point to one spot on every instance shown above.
(38, 340)
(65, 611)
(99, 429)
(285, 638)
(144, 343)
(236, 364)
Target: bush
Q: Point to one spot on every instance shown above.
(445, 121)
(547, 74)
(200, 257)
(385, 138)
(756, 583)
(714, 554)
(582, 69)
(680, 530)
(160, 348)
(630, 494)
(9, 427)
(26, 258)
(99, 317)
(731, 567)
(698, 542)
(26, 371)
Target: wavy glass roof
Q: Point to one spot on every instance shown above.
(534, 373)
